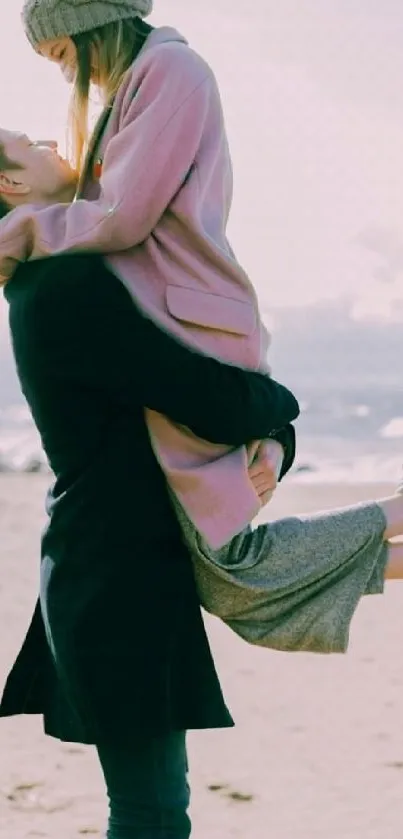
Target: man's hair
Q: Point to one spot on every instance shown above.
(5, 165)
(6, 162)
(4, 208)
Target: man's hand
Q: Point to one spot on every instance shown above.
(265, 464)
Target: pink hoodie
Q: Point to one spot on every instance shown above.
(155, 198)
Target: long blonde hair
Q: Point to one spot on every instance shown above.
(114, 46)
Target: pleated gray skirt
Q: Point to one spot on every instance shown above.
(293, 584)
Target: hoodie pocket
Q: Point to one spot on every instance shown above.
(211, 311)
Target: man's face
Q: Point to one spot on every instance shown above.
(33, 172)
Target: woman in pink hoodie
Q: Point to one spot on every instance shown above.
(153, 197)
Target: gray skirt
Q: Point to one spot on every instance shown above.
(293, 584)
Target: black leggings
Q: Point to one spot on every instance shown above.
(147, 788)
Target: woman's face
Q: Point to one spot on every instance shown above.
(32, 171)
(61, 51)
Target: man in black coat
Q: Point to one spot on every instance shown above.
(116, 653)
(125, 646)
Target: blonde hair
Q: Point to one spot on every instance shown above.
(114, 47)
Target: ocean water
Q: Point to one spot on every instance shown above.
(347, 376)
(348, 430)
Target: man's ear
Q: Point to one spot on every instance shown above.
(10, 187)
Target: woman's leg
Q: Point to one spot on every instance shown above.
(394, 565)
(392, 508)
(294, 584)
(147, 788)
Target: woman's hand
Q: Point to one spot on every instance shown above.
(265, 458)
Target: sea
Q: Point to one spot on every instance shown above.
(347, 376)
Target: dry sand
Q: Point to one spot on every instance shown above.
(318, 747)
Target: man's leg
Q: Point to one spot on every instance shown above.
(147, 788)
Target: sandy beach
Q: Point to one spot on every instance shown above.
(318, 746)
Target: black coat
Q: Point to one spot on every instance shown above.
(117, 644)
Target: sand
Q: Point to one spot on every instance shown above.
(318, 747)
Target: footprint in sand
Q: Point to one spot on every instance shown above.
(31, 797)
(227, 792)
(395, 764)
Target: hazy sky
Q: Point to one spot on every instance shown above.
(312, 91)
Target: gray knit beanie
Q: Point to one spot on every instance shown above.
(47, 19)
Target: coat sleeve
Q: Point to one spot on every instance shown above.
(145, 164)
(100, 337)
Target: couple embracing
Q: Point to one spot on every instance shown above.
(142, 355)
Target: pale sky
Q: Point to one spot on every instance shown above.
(312, 91)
